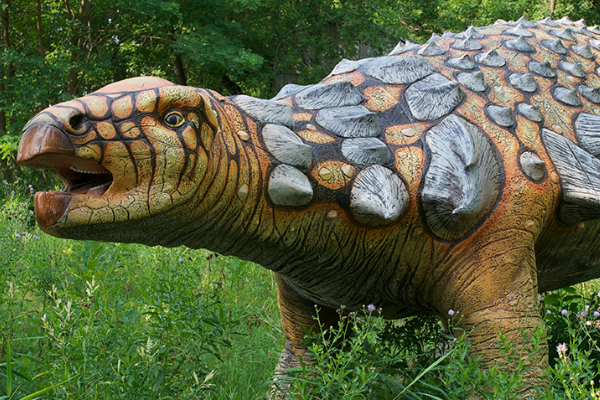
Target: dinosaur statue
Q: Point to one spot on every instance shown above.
(462, 174)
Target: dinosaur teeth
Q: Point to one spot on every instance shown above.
(491, 59)
(82, 171)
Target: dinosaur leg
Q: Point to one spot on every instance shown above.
(297, 320)
(493, 290)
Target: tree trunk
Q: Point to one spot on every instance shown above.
(4, 21)
(179, 69)
(552, 7)
(40, 32)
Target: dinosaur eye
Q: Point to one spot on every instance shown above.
(174, 119)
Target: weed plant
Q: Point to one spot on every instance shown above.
(91, 320)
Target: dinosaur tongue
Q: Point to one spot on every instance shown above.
(50, 206)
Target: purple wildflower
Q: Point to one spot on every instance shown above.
(564, 312)
(180, 260)
(451, 312)
(562, 349)
(371, 307)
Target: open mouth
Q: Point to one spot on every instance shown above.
(81, 176)
(47, 147)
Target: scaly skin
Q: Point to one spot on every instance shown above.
(185, 166)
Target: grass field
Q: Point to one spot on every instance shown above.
(89, 320)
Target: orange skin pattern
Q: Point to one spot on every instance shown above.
(203, 185)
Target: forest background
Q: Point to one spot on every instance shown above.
(52, 51)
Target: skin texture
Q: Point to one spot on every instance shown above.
(149, 162)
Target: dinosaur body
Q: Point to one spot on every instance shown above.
(461, 174)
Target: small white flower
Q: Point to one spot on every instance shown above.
(562, 349)
(371, 307)
(451, 312)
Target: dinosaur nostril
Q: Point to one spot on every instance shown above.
(76, 122)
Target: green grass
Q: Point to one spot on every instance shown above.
(89, 320)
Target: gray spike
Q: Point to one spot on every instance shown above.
(286, 146)
(462, 181)
(491, 59)
(288, 186)
(474, 81)
(565, 21)
(345, 66)
(567, 96)
(582, 31)
(338, 94)
(587, 132)
(399, 70)
(531, 112)
(470, 32)
(544, 69)
(524, 82)
(503, 116)
(468, 44)
(288, 90)
(525, 23)
(398, 49)
(581, 22)
(266, 111)
(595, 44)
(579, 174)
(548, 21)
(433, 97)
(378, 197)
(594, 29)
(463, 62)
(556, 46)
(592, 94)
(349, 122)
(500, 22)
(431, 49)
(448, 34)
(573, 69)
(519, 30)
(520, 44)
(434, 37)
(566, 34)
(365, 151)
(584, 51)
(533, 166)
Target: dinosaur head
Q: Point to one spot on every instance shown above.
(132, 151)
